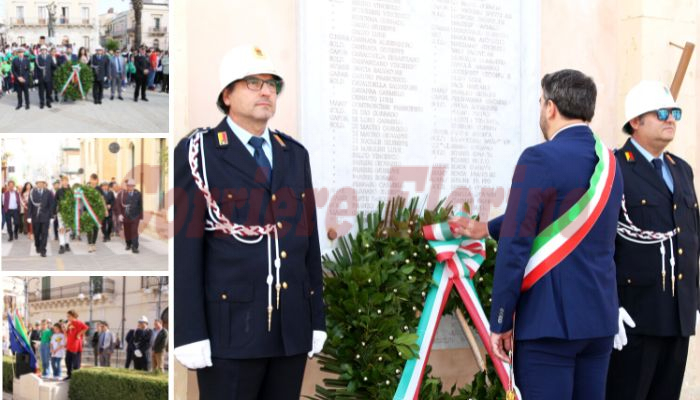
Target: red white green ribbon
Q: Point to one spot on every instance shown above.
(80, 198)
(75, 78)
(458, 261)
(560, 238)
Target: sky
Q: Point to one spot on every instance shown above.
(102, 6)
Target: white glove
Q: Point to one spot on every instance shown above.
(29, 220)
(121, 218)
(317, 342)
(138, 353)
(620, 339)
(194, 355)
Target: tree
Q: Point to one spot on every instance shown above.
(137, 5)
(112, 45)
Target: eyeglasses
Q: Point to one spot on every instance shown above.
(257, 84)
(663, 113)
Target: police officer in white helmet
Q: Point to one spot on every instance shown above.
(249, 301)
(656, 253)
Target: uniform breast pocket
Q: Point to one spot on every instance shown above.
(642, 210)
(691, 205)
(235, 205)
(230, 316)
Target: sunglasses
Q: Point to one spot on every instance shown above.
(663, 113)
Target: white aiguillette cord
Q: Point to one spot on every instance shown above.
(632, 233)
(216, 221)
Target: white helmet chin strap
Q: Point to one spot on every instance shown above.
(216, 221)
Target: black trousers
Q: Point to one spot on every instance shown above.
(107, 227)
(55, 228)
(141, 83)
(44, 92)
(97, 90)
(277, 378)
(141, 363)
(129, 358)
(22, 89)
(12, 220)
(92, 235)
(166, 83)
(648, 368)
(72, 361)
(41, 235)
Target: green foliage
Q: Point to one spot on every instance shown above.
(375, 288)
(67, 208)
(117, 384)
(73, 91)
(7, 374)
(111, 45)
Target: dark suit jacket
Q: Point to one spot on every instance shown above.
(141, 63)
(45, 67)
(161, 342)
(652, 206)
(222, 293)
(577, 299)
(109, 201)
(132, 205)
(142, 340)
(20, 68)
(100, 65)
(44, 207)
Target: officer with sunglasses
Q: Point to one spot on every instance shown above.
(249, 299)
(656, 253)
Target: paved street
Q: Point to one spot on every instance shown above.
(20, 255)
(112, 116)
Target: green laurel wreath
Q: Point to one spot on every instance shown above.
(66, 207)
(374, 290)
(73, 91)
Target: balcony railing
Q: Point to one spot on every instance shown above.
(158, 30)
(153, 281)
(60, 21)
(71, 291)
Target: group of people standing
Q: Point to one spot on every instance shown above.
(36, 209)
(22, 69)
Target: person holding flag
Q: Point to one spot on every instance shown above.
(19, 341)
(554, 289)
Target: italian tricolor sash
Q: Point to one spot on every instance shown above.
(560, 238)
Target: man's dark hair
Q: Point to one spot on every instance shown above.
(220, 101)
(573, 92)
(93, 176)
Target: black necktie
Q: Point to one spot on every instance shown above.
(657, 166)
(260, 157)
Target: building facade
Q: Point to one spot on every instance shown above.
(154, 26)
(75, 22)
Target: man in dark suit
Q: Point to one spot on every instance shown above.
(132, 214)
(248, 314)
(656, 252)
(45, 67)
(10, 209)
(129, 347)
(142, 69)
(107, 221)
(160, 345)
(41, 208)
(20, 70)
(142, 345)
(554, 282)
(100, 66)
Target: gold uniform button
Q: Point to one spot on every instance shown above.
(629, 281)
(680, 251)
(279, 225)
(274, 197)
(680, 277)
(696, 205)
(284, 285)
(303, 195)
(230, 196)
(283, 254)
(224, 297)
(644, 201)
(312, 292)
(675, 207)
(678, 229)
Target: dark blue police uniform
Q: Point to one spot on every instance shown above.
(221, 290)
